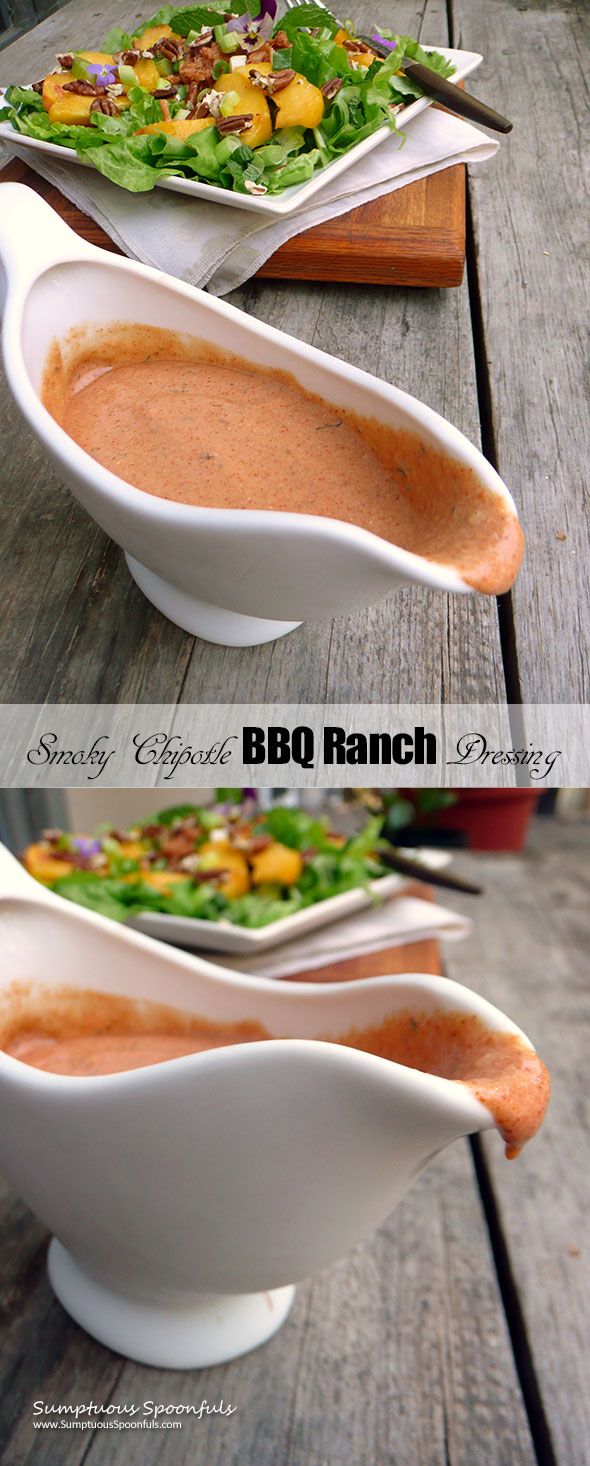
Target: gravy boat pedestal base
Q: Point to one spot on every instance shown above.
(211, 623)
(203, 1331)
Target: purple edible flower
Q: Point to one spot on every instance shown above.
(381, 41)
(104, 74)
(86, 848)
(251, 31)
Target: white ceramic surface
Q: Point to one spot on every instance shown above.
(239, 577)
(182, 1192)
(293, 198)
(241, 941)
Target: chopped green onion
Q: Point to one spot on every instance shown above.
(128, 77)
(228, 103)
(229, 42)
(226, 147)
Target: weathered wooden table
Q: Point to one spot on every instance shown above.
(457, 1336)
(502, 356)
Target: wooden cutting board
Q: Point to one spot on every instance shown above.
(415, 236)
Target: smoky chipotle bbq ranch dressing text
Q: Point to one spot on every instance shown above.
(83, 1033)
(185, 422)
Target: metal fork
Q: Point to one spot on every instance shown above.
(434, 86)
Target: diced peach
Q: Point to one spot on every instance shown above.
(53, 87)
(148, 75)
(299, 105)
(181, 128)
(276, 865)
(72, 110)
(41, 864)
(216, 855)
(250, 100)
(154, 33)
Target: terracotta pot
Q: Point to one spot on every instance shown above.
(490, 819)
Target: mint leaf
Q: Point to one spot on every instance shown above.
(307, 17)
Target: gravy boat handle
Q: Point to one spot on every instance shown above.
(33, 237)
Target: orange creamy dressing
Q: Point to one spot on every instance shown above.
(188, 423)
(82, 1033)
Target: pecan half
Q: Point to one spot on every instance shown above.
(126, 58)
(80, 88)
(169, 90)
(358, 46)
(202, 40)
(37, 86)
(67, 61)
(226, 125)
(276, 81)
(330, 88)
(168, 49)
(104, 105)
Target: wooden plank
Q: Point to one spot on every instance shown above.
(530, 231)
(70, 592)
(529, 954)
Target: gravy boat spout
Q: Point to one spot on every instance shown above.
(186, 1198)
(234, 576)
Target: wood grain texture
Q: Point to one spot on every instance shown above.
(529, 955)
(415, 236)
(530, 215)
(72, 624)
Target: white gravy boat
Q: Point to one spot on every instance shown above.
(237, 577)
(186, 1198)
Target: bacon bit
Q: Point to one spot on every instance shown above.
(165, 110)
(280, 42)
(262, 53)
(177, 847)
(261, 843)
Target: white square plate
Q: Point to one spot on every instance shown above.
(239, 941)
(293, 198)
